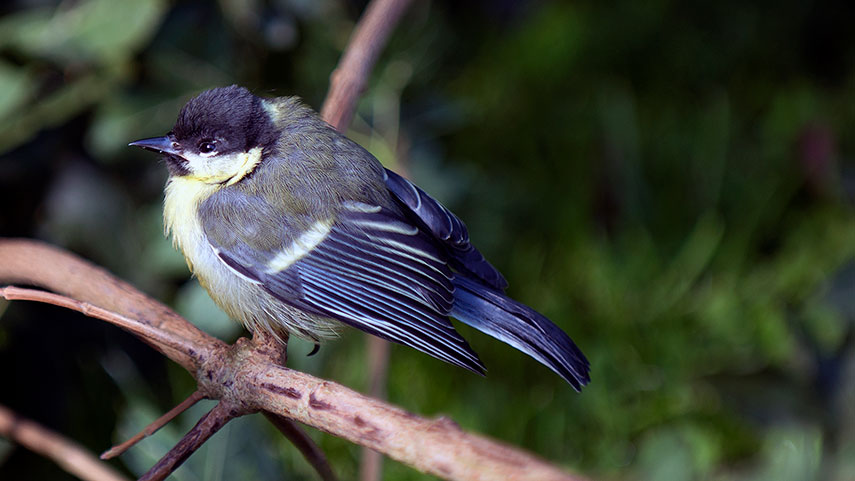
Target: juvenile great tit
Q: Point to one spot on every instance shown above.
(293, 228)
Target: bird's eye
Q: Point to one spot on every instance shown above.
(207, 147)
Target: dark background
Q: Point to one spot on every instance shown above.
(671, 182)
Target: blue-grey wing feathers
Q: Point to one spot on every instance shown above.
(371, 276)
(447, 228)
(522, 327)
(478, 298)
(377, 273)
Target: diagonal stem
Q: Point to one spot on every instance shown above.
(69, 455)
(371, 461)
(350, 76)
(210, 423)
(307, 446)
(154, 426)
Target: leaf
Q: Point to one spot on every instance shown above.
(16, 86)
(89, 31)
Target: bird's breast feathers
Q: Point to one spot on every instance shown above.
(181, 217)
(241, 297)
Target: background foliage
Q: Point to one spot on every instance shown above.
(671, 182)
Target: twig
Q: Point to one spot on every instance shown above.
(141, 329)
(154, 426)
(23, 261)
(298, 437)
(66, 453)
(350, 76)
(210, 423)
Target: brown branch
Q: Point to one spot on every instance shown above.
(22, 261)
(210, 423)
(371, 462)
(241, 376)
(134, 326)
(154, 426)
(346, 85)
(298, 437)
(69, 455)
(350, 76)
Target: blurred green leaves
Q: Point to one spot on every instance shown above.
(88, 44)
(101, 32)
(15, 88)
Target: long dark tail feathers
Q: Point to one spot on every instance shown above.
(520, 326)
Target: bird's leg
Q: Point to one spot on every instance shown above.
(272, 347)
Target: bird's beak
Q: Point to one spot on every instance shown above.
(163, 145)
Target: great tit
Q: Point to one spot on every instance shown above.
(293, 228)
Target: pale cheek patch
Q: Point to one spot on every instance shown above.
(222, 169)
(300, 247)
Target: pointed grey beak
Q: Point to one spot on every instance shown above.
(163, 145)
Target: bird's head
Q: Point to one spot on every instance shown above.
(219, 136)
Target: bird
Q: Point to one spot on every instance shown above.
(294, 229)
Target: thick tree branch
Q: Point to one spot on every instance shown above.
(22, 262)
(66, 453)
(242, 376)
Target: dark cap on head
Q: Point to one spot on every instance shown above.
(232, 115)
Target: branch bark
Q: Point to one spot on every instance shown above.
(350, 76)
(241, 375)
(69, 455)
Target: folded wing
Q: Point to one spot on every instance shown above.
(370, 269)
(445, 227)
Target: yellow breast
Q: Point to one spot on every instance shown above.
(184, 195)
(181, 217)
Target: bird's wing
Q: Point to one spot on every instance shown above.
(446, 228)
(370, 269)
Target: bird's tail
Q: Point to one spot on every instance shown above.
(522, 327)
